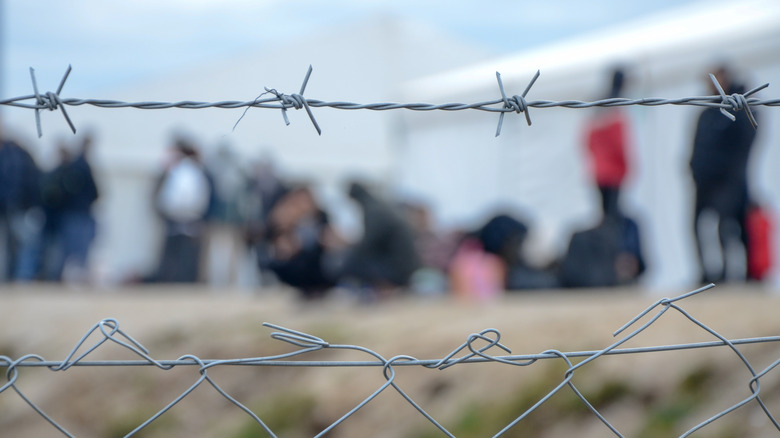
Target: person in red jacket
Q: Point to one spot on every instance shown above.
(609, 254)
(607, 144)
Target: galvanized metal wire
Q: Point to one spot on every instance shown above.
(273, 99)
(481, 347)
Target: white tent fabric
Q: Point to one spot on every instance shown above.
(539, 171)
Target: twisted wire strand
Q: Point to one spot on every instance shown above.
(489, 106)
(728, 104)
(276, 361)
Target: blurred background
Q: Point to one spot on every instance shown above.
(169, 207)
(447, 166)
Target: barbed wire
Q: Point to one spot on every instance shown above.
(273, 99)
(478, 348)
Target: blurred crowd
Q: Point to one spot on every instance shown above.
(46, 220)
(217, 212)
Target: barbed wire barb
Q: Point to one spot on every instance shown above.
(50, 101)
(305, 103)
(296, 101)
(737, 101)
(517, 103)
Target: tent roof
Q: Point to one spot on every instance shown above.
(702, 27)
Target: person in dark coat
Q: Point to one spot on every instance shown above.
(299, 236)
(719, 161)
(21, 218)
(264, 191)
(78, 227)
(385, 257)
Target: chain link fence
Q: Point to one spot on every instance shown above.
(484, 347)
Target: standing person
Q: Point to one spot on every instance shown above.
(719, 160)
(264, 190)
(21, 218)
(607, 144)
(77, 225)
(225, 247)
(385, 257)
(609, 254)
(54, 199)
(182, 199)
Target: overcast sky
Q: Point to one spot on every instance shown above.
(111, 43)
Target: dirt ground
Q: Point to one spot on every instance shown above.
(301, 401)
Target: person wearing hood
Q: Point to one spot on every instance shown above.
(385, 257)
(719, 167)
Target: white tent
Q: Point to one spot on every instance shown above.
(361, 63)
(450, 159)
(453, 160)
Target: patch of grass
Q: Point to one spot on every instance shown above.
(601, 397)
(610, 392)
(331, 333)
(249, 429)
(286, 414)
(7, 349)
(729, 431)
(487, 418)
(124, 423)
(697, 380)
(170, 338)
(479, 419)
(666, 418)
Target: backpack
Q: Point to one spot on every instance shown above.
(590, 258)
(185, 192)
(758, 224)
